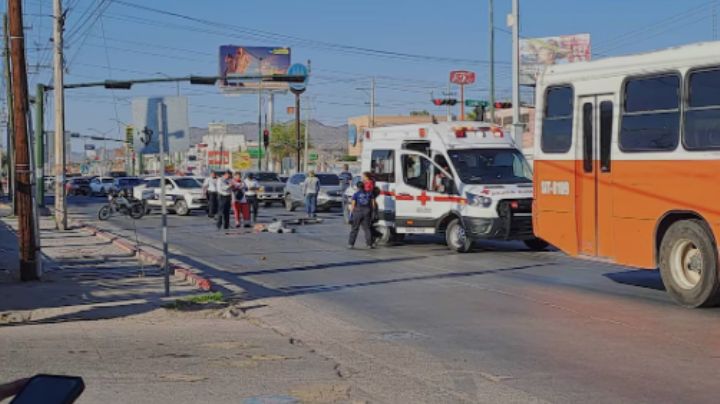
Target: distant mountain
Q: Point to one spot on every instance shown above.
(322, 136)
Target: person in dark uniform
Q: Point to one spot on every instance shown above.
(224, 195)
(362, 211)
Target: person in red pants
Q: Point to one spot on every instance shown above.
(240, 203)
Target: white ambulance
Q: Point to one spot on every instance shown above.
(466, 180)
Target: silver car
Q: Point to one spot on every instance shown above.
(330, 194)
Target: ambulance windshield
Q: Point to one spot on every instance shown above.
(491, 166)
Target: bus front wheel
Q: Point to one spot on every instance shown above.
(688, 262)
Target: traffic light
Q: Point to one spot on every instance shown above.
(503, 105)
(129, 132)
(444, 101)
(266, 138)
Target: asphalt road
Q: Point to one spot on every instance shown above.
(498, 324)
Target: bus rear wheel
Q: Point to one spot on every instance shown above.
(689, 264)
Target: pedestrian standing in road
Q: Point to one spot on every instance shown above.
(224, 189)
(241, 211)
(210, 189)
(252, 188)
(361, 206)
(368, 185)
(311, 187)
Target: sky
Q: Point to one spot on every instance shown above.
(119, 39)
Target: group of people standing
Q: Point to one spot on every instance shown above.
(228, 192)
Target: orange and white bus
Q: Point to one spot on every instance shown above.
(627, 164)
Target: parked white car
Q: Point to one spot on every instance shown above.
(101, 185)
(182, 194)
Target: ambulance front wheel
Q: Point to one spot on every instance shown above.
(457, 238)
(384, 235)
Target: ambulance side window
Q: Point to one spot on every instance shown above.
(382, 165)
(416, 171)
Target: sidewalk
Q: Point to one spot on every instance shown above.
(98, 314)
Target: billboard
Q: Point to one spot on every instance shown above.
(174, 119)
(241, 161)
(536, 53)
(252, 61)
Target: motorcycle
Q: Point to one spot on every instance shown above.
(123, 204)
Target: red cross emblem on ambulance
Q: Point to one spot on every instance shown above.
(423, 198)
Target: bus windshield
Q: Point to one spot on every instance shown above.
(491, 166)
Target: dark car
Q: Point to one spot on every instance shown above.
(271, 188)
(126, 184)
(78, 186)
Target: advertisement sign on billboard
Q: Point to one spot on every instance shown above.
(537, 53)
(214, 157)
(241, 161)
(462, 77)
(252, 61)
(175, 124)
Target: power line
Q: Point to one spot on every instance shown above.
(306, 42)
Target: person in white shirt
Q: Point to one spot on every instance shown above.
(210, 189)
(224, 189)
(252, 188)
(311, 188)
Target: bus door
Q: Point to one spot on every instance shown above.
(593, 191)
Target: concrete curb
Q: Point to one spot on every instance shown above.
(149, 256)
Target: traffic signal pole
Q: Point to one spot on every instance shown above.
(517, 126)
(492, 60)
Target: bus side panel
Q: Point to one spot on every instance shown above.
(644, 191)
(554, 213)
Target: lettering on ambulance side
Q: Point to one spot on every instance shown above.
(555, 188)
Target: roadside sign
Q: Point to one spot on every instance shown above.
(298, 69)
(241, 161)
(312, 156)
(476, 103)
(255, 152)
(462, 77)
(291, 110)
(89, 147)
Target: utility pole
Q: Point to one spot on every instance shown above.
(26, 222)
(449, 110)
(260, 137)
(372, 102)
(40, 145)
(307, 128)
(163, 206)
(297, 131)
(517, 126)
(59, 93)
(492, 60)
(269, 121)
(10, 121)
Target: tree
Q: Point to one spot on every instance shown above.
(419, 113)
(283, 140)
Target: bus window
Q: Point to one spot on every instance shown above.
(702, 117)
(651, 116)
(606, 121)
(556, 136)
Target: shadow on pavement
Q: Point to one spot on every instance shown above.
(642, 278)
